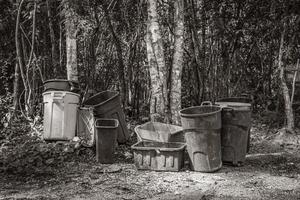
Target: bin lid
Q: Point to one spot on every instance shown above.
(235, 105)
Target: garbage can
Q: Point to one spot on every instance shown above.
(202, 127)
(236, 122)
(106, 136)
(86, 126)
(242, 99)
(107, 104)
(159, 132)
(60, 115)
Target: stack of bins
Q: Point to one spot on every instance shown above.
(60, 110)
(160, 147)
(107, 104)
(202, 126)
(236, 122)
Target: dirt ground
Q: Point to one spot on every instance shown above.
(271, 171)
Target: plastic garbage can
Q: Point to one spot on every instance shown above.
(106, 137)
(236, 122)
(107, 104)
(202, 127)
(60, 115)
(242, 99)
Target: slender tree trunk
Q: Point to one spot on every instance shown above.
(54, 56)
(157, 66)
(16, 91)
(175, 95)
(121, 65)
(285, 91)
(71, 42)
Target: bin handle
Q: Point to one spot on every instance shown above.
(206, 103)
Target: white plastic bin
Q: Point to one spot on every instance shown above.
(86, 126)
(60, 115)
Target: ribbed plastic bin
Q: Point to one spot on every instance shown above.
(107, 104)
(202, 126)
(242, 99)
(86, 126)
(236, 122)
(60, 115)
(158, 156)
(106, 138)
(159, 132)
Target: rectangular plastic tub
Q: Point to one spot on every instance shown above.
(159, 132)
(158, 156)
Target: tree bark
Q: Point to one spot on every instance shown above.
(175, 95)
(16, 91)
(285, 91)
(157, 66)
(71, 42)
(54, 54)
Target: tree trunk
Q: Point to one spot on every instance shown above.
(54, 55)
(285, 91)
(175, 95)
(71, 42)
(16, 91)
(121, 65)
(157, 66)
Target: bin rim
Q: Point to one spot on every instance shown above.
(103, 102)
(139, 127)
(202, 114)
(235, 105)
(59, 80)
(135, 147)
(116, 125)
(62, 91)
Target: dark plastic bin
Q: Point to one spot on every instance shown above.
(242, 99)
(61, 85)
(107, 104)
(158, 156)
(159, 132)
(236, 122)
(202, 126)
(106, 137)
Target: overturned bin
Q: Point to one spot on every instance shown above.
(106, 136)
(236, 122)
(107, 104)
(159, 132)
(158, 156)
(202, 126)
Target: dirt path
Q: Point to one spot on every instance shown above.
(268, 173)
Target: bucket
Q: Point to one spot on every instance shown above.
(242, 99)
(107, 104)
(60, 115)
(202, 126)
(236, 122)
(159, 132)
(106, 136)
